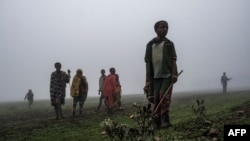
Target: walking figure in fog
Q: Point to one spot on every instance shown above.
(58, 82)
(224, 80)
(79, 91)
(110, 87)
(101, 88)
(29, 96)
(117, 97)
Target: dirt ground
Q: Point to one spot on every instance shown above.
(13, 124)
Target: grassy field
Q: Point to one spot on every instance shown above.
(18, 122)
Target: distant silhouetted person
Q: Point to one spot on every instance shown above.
(101, 88)
(224, 80)
(29, 96)
(79, 91)
(58, 82)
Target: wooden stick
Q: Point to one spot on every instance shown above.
(171, 85)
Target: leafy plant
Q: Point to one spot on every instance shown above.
(114, 130)
(200, 111)
(144, 118)
(142, 132)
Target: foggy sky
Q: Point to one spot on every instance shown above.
(210, 37)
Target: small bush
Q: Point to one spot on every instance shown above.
(142, 132)
(200, 111)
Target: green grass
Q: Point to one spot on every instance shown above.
(215, 102)
(18, 122)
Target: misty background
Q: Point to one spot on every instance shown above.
(210, 37)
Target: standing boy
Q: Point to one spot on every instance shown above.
(58, 82)
(161, 71)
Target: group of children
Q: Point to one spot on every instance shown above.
(110, 90)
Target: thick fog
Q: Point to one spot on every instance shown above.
(210, 37)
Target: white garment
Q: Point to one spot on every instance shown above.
(157, 57)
